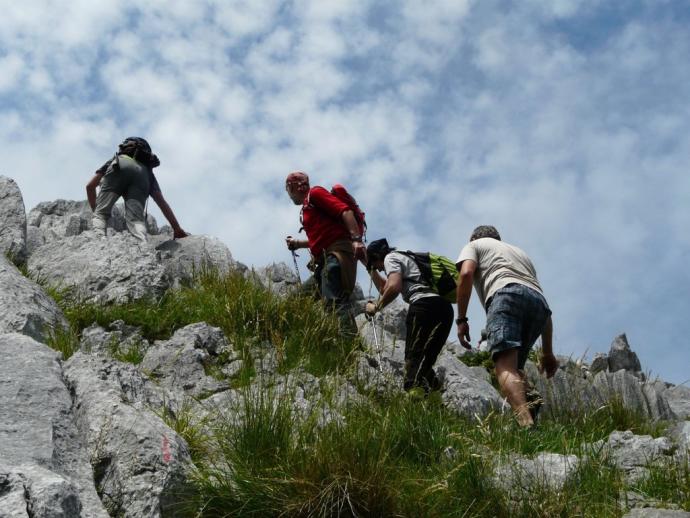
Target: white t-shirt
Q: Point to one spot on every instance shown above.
(413, 287)
(498, 264)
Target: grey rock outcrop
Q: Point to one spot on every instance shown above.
(121, 338)
(25, 307)
(621, 357)
(681, 434)
(466, 392)
(382, 365)
(278, 277)
(182, 361)
(634, 453)
(599, 363)
(54, 220)
(13, 218)
(567, 392)
(101, 270)
(299, 393)
(140, 464)
(656, 513)
(545, 470)
(678, 398)
(394, 316)
(183, 258)
(32, 491)
(121, 269)
(40, 447)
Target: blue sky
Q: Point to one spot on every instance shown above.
(566, 124)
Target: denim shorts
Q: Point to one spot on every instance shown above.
(515, 318)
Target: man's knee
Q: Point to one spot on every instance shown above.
(506, 361)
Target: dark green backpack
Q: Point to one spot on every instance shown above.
(438, 272)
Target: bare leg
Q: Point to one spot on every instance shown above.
(512, 386)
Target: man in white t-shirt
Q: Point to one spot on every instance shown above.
(429, 317)
(516, 311)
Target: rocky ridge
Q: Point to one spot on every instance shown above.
(87, 436)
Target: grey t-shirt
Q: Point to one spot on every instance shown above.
(413, 288)
(498, 264)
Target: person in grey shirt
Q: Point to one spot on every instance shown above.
(429, 317)
(129, 174)
(516, 312)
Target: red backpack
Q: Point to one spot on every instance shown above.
(340, 192)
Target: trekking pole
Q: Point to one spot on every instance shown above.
(294, 260)
(376, 341)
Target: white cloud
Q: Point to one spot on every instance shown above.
(437, 116)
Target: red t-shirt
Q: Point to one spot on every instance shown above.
(322, 219)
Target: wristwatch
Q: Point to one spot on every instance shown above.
(461, 320)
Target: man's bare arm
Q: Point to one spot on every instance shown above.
(463, 294)
(391, 289)
(169, 214)
(358, 247)
(549, 363)
(91, 190)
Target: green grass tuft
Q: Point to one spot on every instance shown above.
(297, 326)
(668, 483)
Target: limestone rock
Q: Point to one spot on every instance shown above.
(183, 257)
(633, 453)
(681, 433)
(60, 215)
(622, 357)
(278, 277)
(55, 220)
(566, 392)
(599, 363)
(467, 390)
(633, 393)
(140, 464)
(678, 398)
(33, 491)
(25, 307)
(382, 365)
(102, 270)
(545, 470)
(394, 316)
(649, 512)
(181, 362)
(13, 218)
(37, 429)
(37, 237)
(305, 396)
(121, 338)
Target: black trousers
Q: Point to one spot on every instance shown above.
(428, 323)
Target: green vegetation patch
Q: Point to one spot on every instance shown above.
(297, 326)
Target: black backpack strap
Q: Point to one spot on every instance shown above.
(423, 263)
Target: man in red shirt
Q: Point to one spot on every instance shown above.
(334, 241)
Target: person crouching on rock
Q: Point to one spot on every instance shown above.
(129, 174)
(429, 317)
(516, 312)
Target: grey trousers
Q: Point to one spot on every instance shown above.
(131, 181)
